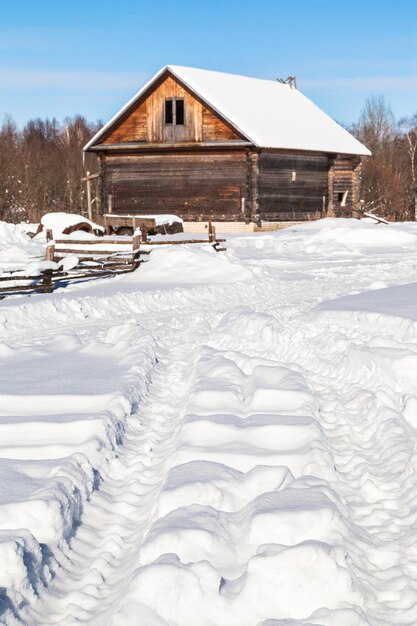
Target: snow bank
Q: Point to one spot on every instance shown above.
(57, 439)
(233, 433)
(59, 221)
(190, 264)
(329, 239)
(16, 248)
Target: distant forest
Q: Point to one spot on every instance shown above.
(41, 165)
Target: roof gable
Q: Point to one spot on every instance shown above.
(143, 122)
(268, 113)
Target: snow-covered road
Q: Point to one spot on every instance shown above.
(234, 445)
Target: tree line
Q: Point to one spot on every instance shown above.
(389, 182)
(41, 165)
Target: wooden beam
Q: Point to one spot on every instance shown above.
(330, 190)
(90, 242)
(254, 182)
(89, 207)
(182, 241)
(90, 176)
(50, 253)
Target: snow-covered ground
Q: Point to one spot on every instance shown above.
(216, 439)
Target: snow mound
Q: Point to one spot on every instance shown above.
(234, 434)
(59, 221)
(190, 264)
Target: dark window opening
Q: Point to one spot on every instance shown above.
(179, 112)
(340, 196)
(169, 111)
(174, 112)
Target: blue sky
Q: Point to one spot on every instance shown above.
(62, 57)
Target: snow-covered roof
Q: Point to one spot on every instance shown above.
(268, 113)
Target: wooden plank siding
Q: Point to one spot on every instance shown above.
(192, 185)
(214, 129)
(281, 197)
(134, 128)
(146, 123)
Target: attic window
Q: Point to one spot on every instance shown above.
(174, 111)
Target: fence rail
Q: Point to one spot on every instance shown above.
(93, 263)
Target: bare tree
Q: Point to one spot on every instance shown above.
(408, 133)
(382, 173)
(41, 167)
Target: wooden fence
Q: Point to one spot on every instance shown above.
(93, 261)
(109, 259)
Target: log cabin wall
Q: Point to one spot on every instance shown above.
(346, 184)
(172, 168)
(292, 186)
(194, 185)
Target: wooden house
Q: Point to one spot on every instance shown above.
(202, 144)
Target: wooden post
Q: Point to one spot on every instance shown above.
(49, 234)
(144, 233)
(135, 242)
(213, 234)
(210, 231)
(356, 183)
(89, 207)
(135, 251)
(254, 184)
(47, 285)
(50, 253)
(330, 187)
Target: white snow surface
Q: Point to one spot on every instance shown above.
(60, 220)
(162, 219)
(215, 439)
(267, 112)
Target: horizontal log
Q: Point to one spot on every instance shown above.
(101, 241)
(174, 243)
(37, 277)
(76, 252)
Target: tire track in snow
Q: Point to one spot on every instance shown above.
(96, 594)
(104, 551)
(375, 453)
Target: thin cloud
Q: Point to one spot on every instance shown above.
(400, 83)
(78, 80)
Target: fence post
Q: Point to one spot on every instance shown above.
(144, 233)
(210, 231)
(49, 234)
(50, 253)
(135, 251)
(47, 285)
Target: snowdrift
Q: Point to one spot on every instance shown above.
(217, 439)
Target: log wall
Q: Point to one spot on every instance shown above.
(292, 187)
(346, 178)
(193, 185)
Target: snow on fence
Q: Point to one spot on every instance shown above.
(43, 282)
(106, 253)
(78, 259)
(85, 264)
